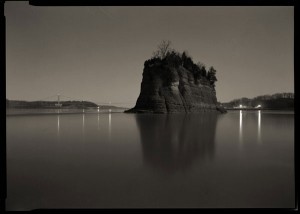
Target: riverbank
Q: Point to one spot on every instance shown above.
(42, 111)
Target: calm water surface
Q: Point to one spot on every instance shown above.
(240, 159)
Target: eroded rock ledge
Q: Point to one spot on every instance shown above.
(169, 89)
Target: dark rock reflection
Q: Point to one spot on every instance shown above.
(173, 142)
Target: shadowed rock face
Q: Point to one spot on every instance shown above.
(173, 90)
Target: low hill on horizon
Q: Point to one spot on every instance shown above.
(52, 104)
(280, 101)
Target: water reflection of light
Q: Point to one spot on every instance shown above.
(241, 126)
(98, 120)
(259, 127)
(83, 115)
(58, 126)
(109, 126)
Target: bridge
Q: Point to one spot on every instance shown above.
(60, 98)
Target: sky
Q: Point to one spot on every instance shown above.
(98, 53)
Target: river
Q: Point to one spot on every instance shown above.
(242, 159)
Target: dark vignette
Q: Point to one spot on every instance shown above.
(3, 190)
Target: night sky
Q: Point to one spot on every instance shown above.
(98, 53)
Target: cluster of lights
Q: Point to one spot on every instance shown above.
(241, 106)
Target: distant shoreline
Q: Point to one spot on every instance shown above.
(253, 109)
(60, 111)
(21, 104)
(53, 111)
(278, 101)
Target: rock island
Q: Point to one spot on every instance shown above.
(173, 83)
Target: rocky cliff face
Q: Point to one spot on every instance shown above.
(167, 89)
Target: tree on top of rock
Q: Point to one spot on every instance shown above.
(211, 75)
(163, 49)
(187, 61)
(202, 68)
(170, 58)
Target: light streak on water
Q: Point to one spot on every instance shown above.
(241, 127)
(83, 124)
(98, 119)
(58, 123)
(58, 126)
(109, 126)
(259, 127)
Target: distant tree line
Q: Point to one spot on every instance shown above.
(275, 101)
(165, 55)
(48, 104)
(276, 96)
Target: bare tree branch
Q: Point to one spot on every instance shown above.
(162, 49)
